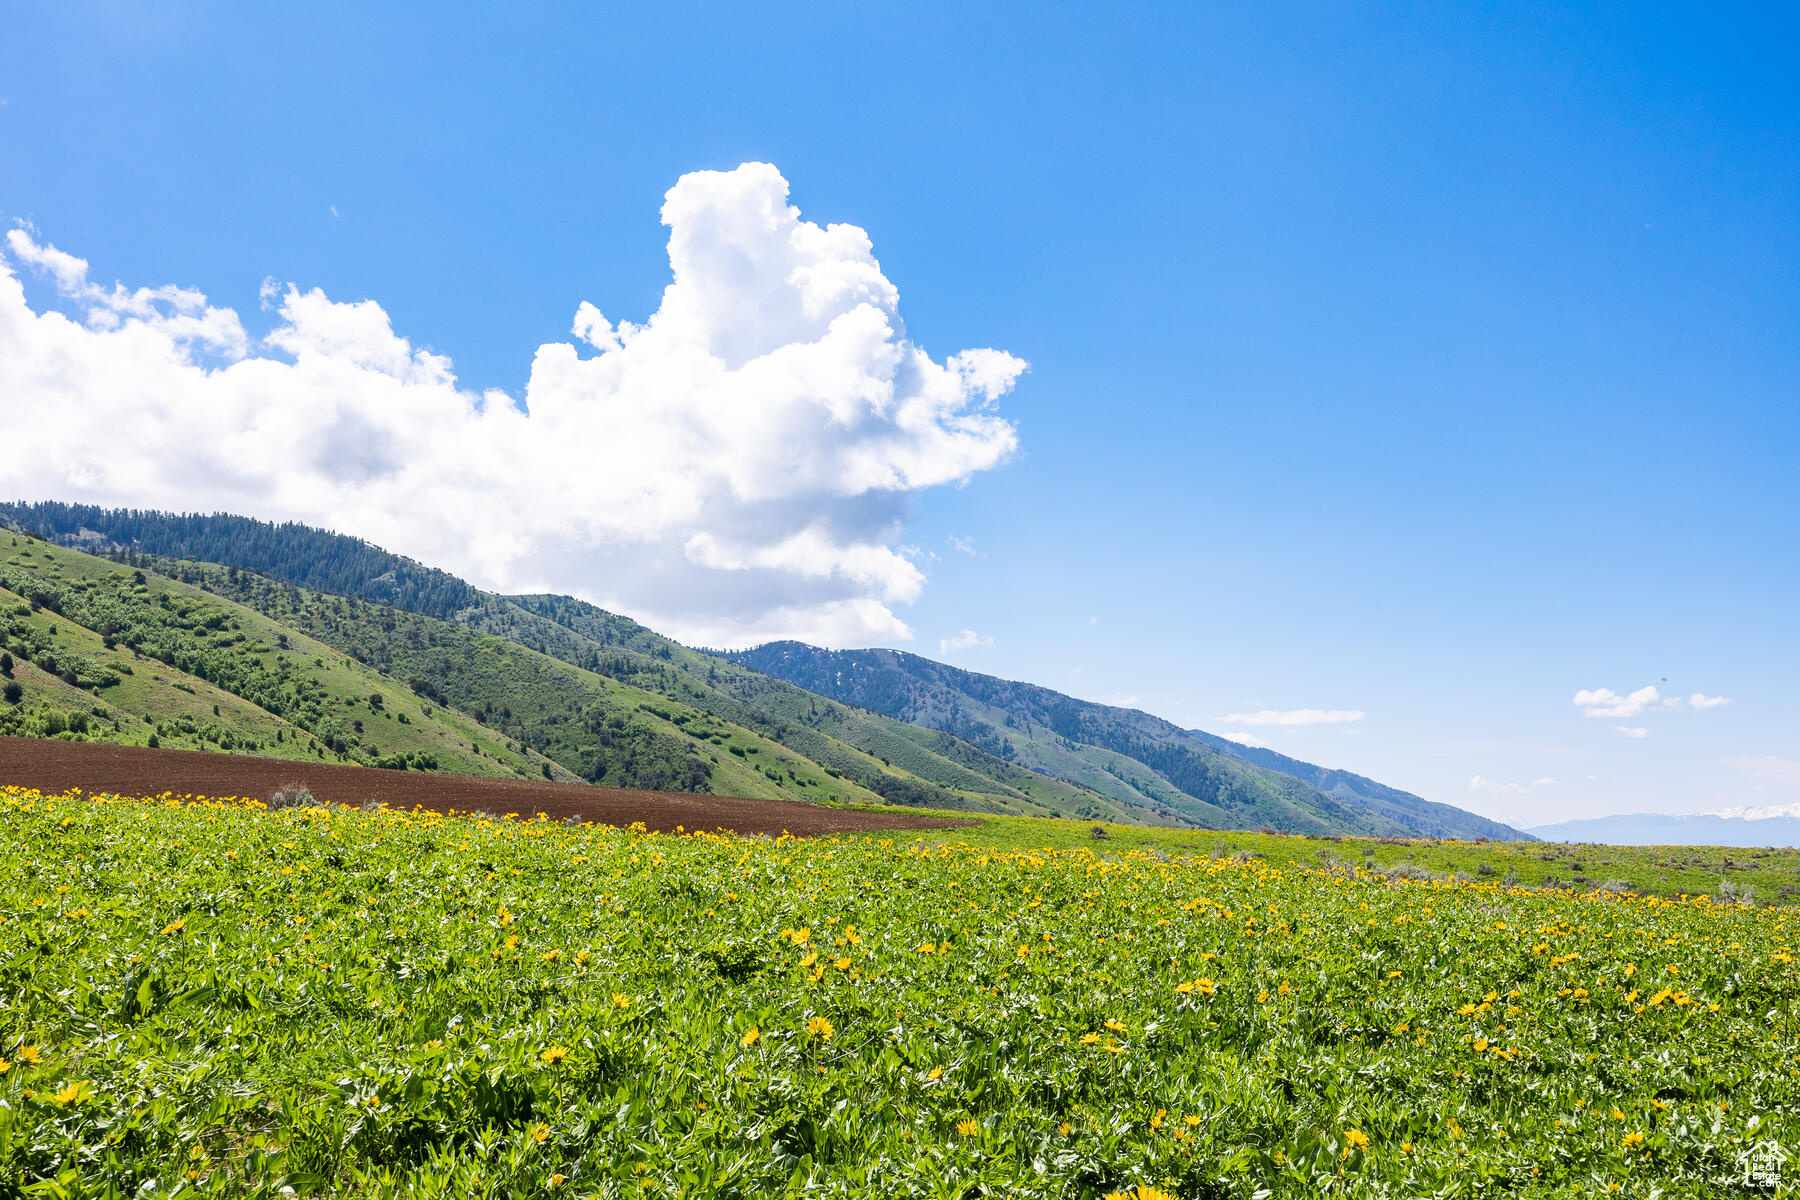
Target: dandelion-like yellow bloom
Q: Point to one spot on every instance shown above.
(935, 1073)
(820, 1028)
(540, 1133)
(967, 1127)
(750, 1036)
(554, 1055)
(1089, 1039)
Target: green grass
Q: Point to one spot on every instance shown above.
(215, 1000)
(1769, 875)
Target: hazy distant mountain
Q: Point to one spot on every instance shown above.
(1129, 755)
(1657, 829)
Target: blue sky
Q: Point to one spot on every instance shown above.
(1429, 362)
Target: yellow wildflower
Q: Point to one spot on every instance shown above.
(74, 1093)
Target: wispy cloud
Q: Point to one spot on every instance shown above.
(1244, 739)
(1633, 731)
(1604, 702)
(1295, 716)
(961, 545)
(1767, 769)
(1495, 787)
(968, 639)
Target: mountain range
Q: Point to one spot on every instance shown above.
(227, 633)
(1658, 829)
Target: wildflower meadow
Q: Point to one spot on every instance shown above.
(209, 998)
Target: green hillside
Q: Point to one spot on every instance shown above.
(1132, 756)
(865, 755)
(612, 702)
(116, 654)
(216, 658)
(616, 714)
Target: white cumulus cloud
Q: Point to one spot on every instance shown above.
(968, 639)
(1244, 739)
(737, 467)
(1295, 716)
(1604, 702)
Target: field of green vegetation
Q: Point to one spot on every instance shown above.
(1764, 876)
(218, 999)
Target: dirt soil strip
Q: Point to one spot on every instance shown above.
(56, 766)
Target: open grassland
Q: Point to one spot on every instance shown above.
(227, 1001)
(1764, 876)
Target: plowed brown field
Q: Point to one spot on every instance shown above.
(133, 770)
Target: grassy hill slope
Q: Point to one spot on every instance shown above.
(122, 655)
(866, 755)
(900, 728)
(1123, 751)
(617, 715)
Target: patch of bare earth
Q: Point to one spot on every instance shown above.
(56, 766)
